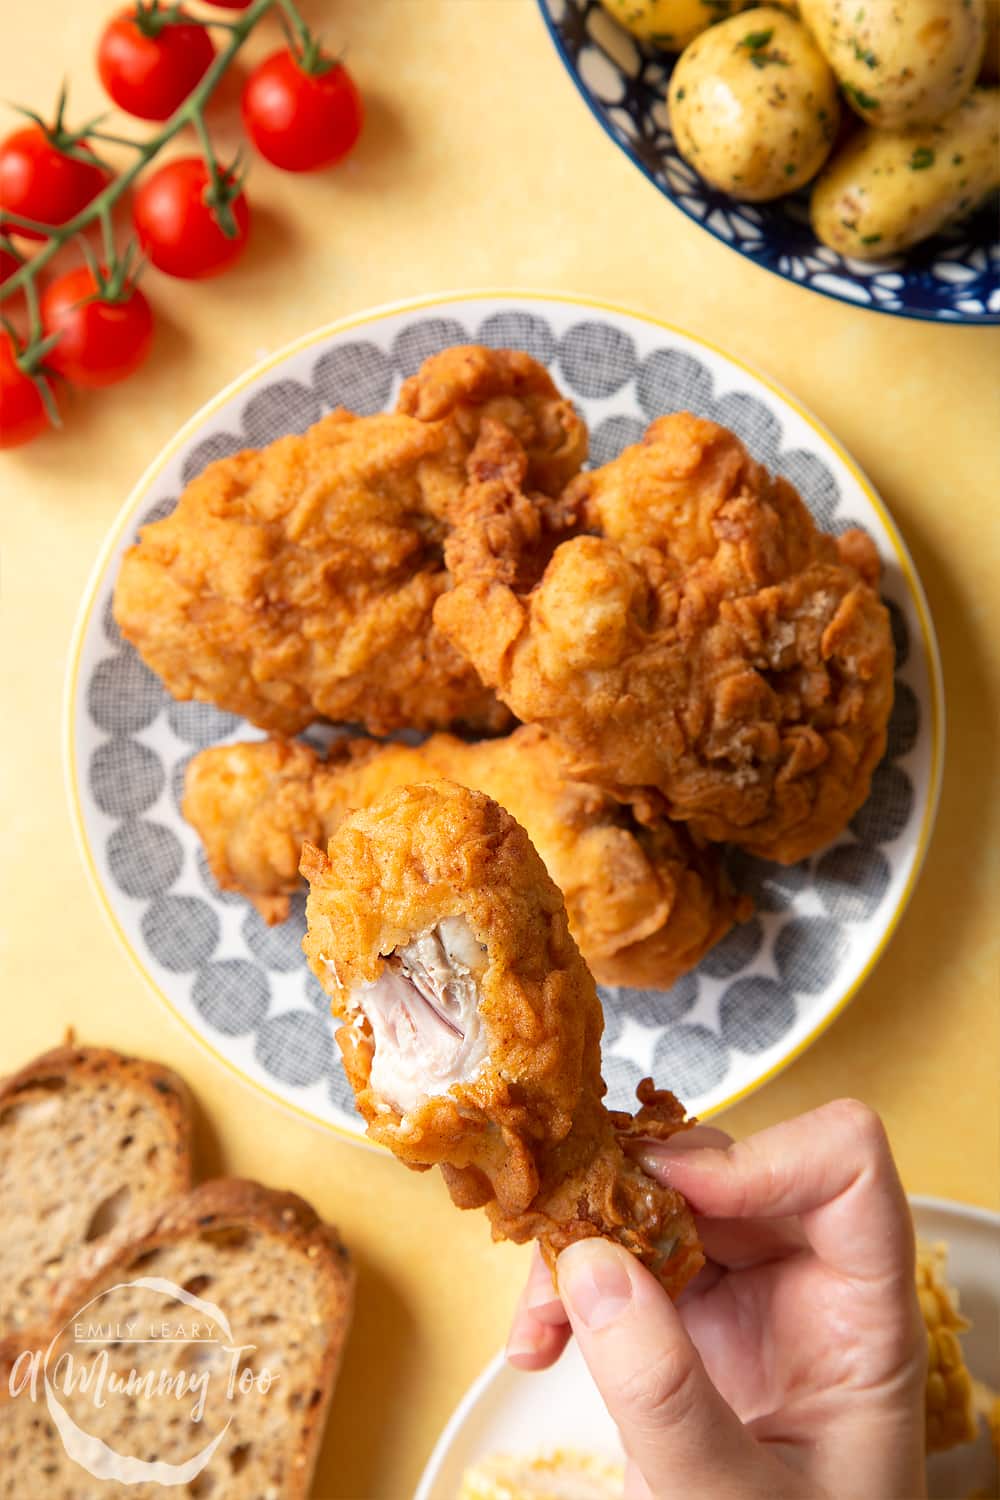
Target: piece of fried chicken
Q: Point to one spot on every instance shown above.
(644, 904)
(470, 384)
(681, 626)
(298, 581)
(471, 1027)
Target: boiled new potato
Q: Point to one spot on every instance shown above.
(753, 105)
(989, 70)
(888, 189)
(670, 24)
(900, 62)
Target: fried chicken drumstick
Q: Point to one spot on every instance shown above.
(644, 904)
(683, 629)
(471, 1027)
(298, 581)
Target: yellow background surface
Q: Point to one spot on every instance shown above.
(481, 167)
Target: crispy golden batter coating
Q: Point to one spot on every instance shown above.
(470, 384)
(644, 904)
(517, 1126)
(298, 581)
(700, 640)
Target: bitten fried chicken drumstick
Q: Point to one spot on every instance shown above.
(471, 1027)
(298, 581)
(644, 904)
(683, 629)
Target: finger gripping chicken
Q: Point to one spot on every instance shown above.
(680, 625)
(471, 1027)
(298, 581)
(644, 903)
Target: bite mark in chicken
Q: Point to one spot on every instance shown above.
(423, 1015)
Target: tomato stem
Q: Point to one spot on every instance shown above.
(67, 142)
(302, 33)
(307, 48)
(116, 140)
(9, 248)
(21, 221)
(34, 313)
(107, 234)
(28, 359)
(151, 18)
(222, 187)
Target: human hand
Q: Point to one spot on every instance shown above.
(793, 1366)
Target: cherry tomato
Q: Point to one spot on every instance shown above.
(228, 4)
(149, 68)
(22, 410)
(176, 225)
(8, 264)
(301, 120)
(41, 182)
(100, 341)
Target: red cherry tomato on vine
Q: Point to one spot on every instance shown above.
(40, 182)
(149, 68)
(301, 120)
(22, 410)
(228, 4)
(176, 224)
(100, 341)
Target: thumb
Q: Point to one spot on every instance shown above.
(676, 1428)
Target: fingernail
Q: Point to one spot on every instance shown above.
(521, 1346)
(542, 1296)
(657, 1157)
(594, 1283)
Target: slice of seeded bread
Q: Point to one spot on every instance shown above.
(87, 1138)
(265, 1262)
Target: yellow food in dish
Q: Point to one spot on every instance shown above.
(562, 1475)
(670, 24)
(900, 64)
(754, 106)
(951, 1415)
(888, 189)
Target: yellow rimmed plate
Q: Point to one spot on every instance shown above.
(761, 996)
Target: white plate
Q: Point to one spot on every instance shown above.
(761, 996)
(508, 1411)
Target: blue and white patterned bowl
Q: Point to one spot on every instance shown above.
(760, 996)
(953, 278)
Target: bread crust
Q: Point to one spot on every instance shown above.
(167, 1090)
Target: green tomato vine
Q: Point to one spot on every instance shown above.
(224, 180)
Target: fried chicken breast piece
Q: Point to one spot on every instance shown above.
(298, 581)
(678, 622)
(644, 904)
(471, 1027)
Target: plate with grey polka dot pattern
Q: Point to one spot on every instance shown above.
(759, 996)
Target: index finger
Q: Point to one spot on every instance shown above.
(832, 1168)
(539, 1329)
